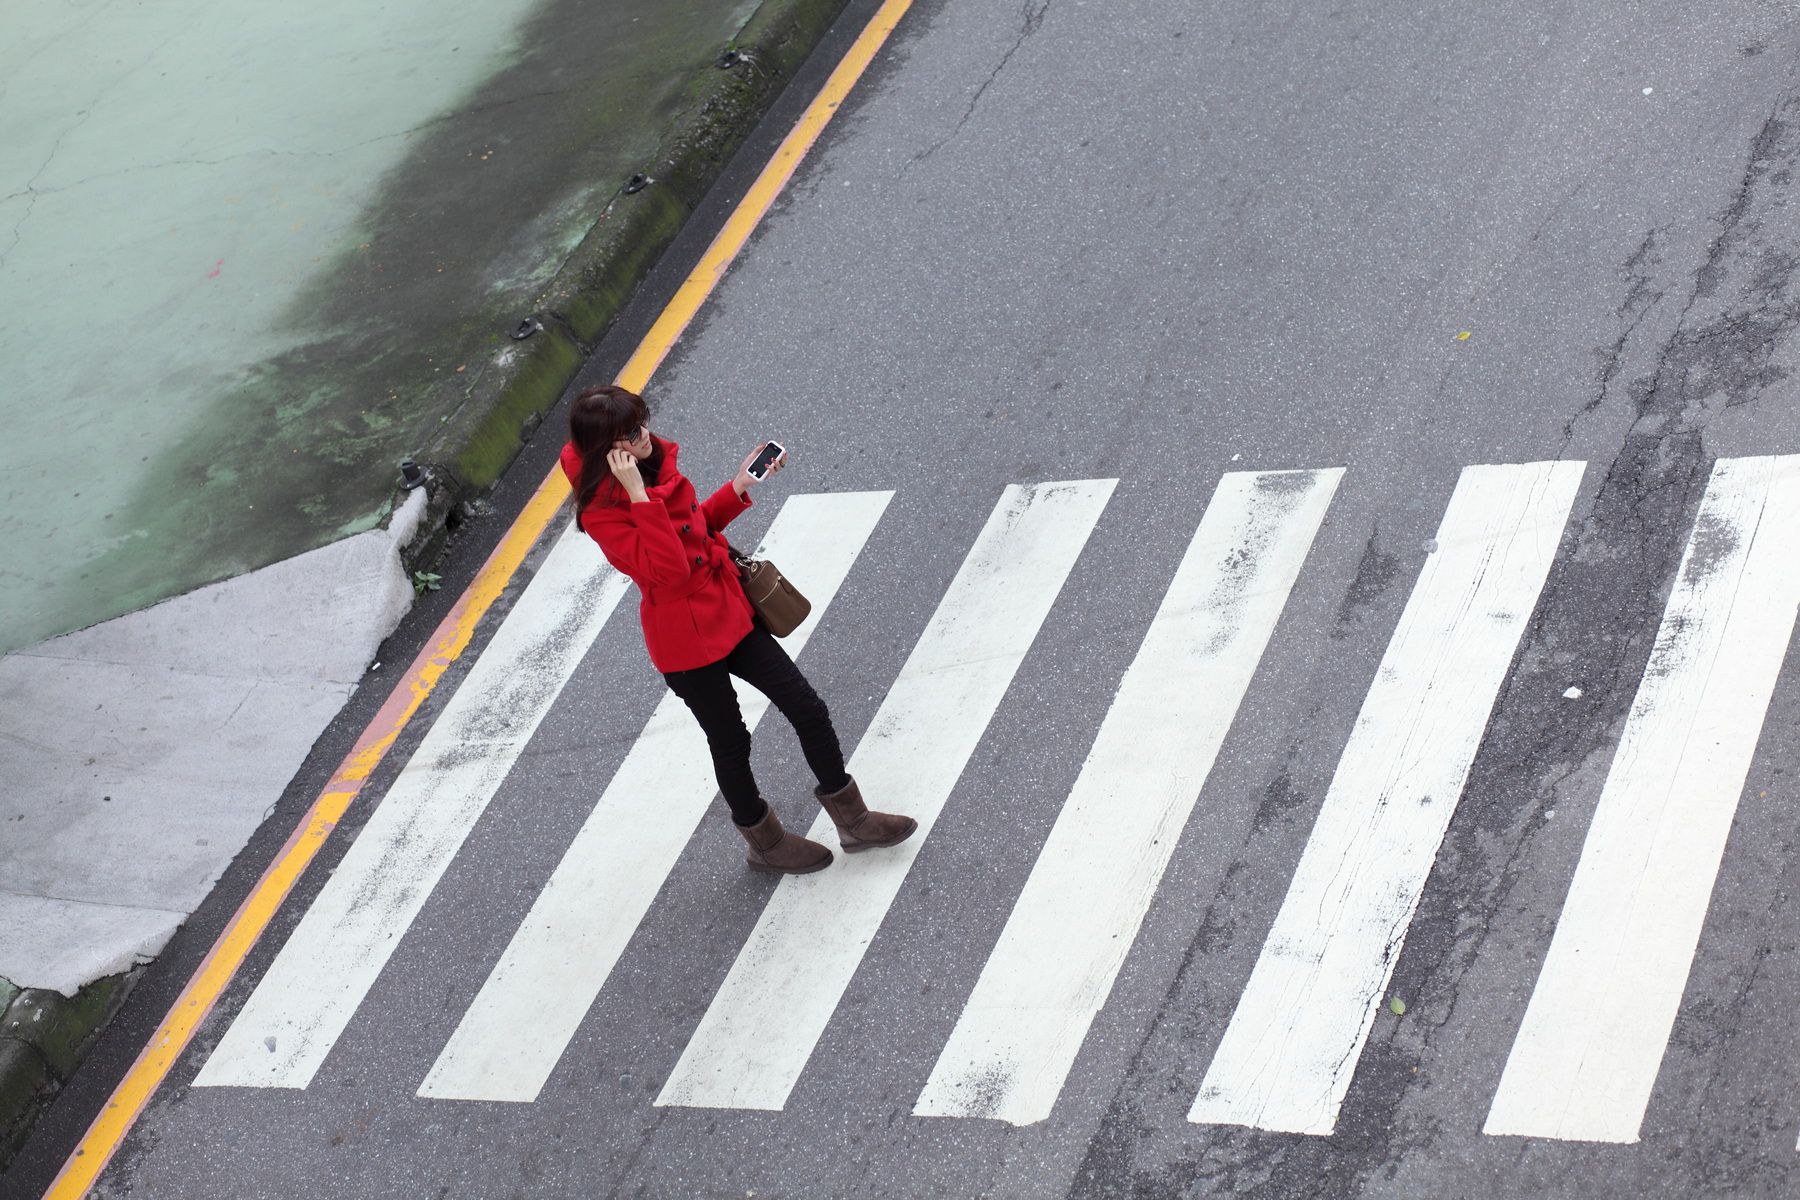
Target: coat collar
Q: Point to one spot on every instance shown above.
(572, 460)
(668, 477)
(669, 451)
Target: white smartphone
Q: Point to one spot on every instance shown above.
(765, 458)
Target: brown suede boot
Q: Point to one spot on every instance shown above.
(858, 828)
(773, 848)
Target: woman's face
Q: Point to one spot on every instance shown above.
(637, 442)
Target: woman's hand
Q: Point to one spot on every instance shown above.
(625, 470)
(743, 481)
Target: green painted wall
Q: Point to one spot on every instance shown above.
(244, 252)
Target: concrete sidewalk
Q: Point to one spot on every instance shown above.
(251, 261)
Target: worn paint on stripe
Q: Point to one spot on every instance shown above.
(564, 951)
(332, 958)
(108, 1129)
(1587, 1055)
(762, 1026)
(1288, 1054)
(1088, 893)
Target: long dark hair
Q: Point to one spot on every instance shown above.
(599, 417)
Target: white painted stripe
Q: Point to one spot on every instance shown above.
(566, 948)
(326, 968)
(1087, 895)
(762, 1026)
(1594, 1034)
(1288, 1054)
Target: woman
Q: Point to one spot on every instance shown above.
(699, 627)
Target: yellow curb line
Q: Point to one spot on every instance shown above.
(451, 638)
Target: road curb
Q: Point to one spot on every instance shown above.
(528, 369)
(44, 1035)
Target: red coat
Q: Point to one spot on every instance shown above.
(693, 607)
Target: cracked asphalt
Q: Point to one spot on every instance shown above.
(1074, 239)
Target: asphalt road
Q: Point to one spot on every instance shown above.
(1158, 244)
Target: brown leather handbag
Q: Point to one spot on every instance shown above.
(778, 603)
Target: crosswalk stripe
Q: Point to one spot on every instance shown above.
(1087, 895)
(321, 975)
(1288, 1054)
(562, 954)
(1597, 1025)
(763, 1024)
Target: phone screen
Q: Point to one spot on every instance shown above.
(765, 458)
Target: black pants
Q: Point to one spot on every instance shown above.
(759, 661)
